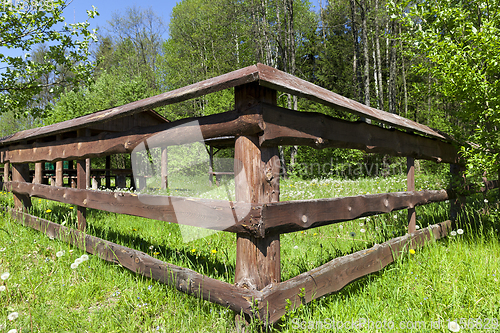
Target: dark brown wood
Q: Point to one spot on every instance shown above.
(183, 279)
(21, 173)
(257, 180)
(228, 123)
(457, 184)
(6, 171)
(212, 214)
(88, 172)
(410, 186)
(277, 299)
(108, 173)
(38, 179)
(211, 166)
(290, 216)
(288, 127)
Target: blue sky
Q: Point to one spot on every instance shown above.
(76, 12)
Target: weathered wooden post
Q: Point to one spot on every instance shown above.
(88, 172)
(38, 179)
(108, 172)
(257, 180)
(21, 173)
(410, 186)
(81, 183)
(164, 168)
(6, 171)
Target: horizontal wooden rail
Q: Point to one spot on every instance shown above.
(104, 144)
(331, 277)
(211, 214)
(288, 127)
(183, 279)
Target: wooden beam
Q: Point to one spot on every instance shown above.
(21, 173)
(288, 127)
(38, 179)
(212, 214)
(331, 277)
(164, 169)
(248, 121)
(290, 216)
(183, 279)
(410, 186)
(6, 171)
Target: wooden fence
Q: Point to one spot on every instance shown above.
(258, 126)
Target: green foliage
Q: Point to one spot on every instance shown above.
(26, 24)
(459, 42)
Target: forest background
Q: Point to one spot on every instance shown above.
(436, 64)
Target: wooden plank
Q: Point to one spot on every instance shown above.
(212, 214)
(281, 81)
(257, 181)
(331, 277)
(229, 80)
(290, 216)
(410, 186)
(6, 171)
(21, 173)
(228, 123)
(183, 279)
(288, 127)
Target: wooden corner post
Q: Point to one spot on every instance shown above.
(81, 183)
(21, 173)
(257, 180)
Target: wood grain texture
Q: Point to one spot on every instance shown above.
(211, 214)
(410, 186)
(183, 279)
(288, 127)
(336, 274)
(104, 144)
(21, 173)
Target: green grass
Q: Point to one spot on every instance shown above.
(454, 278)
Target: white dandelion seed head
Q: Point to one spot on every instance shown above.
(13, 316)
(84, 257)
(453, 233)
(2, 249)
(395, 216)
(460, 231)
(2, 288)
(12, 331)
(362, 230)
(5, 276)
(361, 224)
(74, 265)
(59, 254)
(453, 326)
(296, 247)
(417, 227)
(485, 200)
(341, 226)
(78, 261)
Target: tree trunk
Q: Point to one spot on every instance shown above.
(392, 72)
(357, 74)
(403, 73)
(366, 56)
(380, 95)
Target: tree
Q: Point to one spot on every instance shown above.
(459, 42)
(23, 26)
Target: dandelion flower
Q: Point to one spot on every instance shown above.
(2, 288)
(362, 230)
(84, 257)
(453, 233)
(59, 254)
(70, 207)
(193, 250)
(412, 251)
(5, 276)
(13, 316)
(74, 265)
(460, 231)
(48, 211)
(453, 326)
(214, 251)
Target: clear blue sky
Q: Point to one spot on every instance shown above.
(76, 12)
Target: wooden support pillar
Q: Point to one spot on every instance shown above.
(457, 181)
(81, 182)
(164, 168)
(108, 172)
(38, 179)
(211, 166)
(88, 172)
(257, 180)
(6, 171)
(59, 167)
(410, 186)
(21, 173)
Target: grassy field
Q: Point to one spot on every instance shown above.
(453, 279)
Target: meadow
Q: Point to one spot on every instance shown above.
(454, 279)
